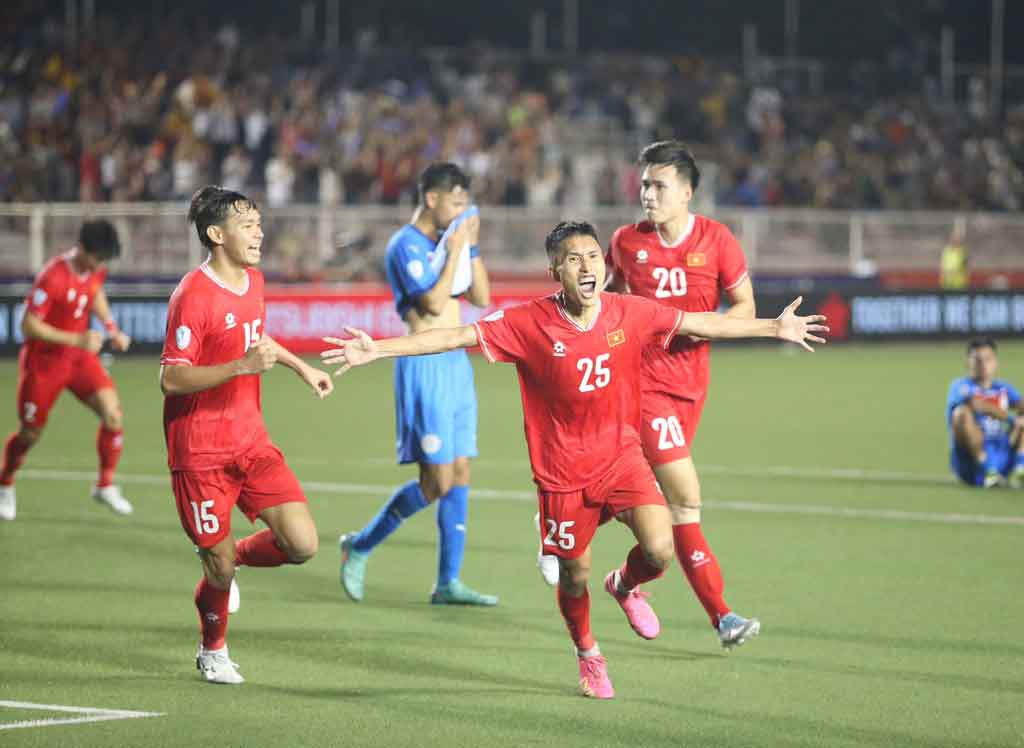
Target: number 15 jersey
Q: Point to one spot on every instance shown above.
(580, 387)
(208, 324)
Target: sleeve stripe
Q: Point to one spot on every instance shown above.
(738, 281)
(483, 342)
(674, 330)
(185, 361)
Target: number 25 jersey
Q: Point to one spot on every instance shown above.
(580, 387)
(208, 324)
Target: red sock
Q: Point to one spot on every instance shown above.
(108, 446)
(576, 612)
(14, 455)
(212, 605)
(259, 549)
(637, 569)
(701, 569)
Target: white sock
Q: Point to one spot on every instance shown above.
(594, 651)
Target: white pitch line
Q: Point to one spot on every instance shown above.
(95, 714)
(367, 489)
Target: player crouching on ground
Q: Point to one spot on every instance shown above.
(578, 355)
(986, 432)
(60, 352)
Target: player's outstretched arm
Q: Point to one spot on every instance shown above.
(182, 379)
(361, 349)
(787, 326)
(318, 381)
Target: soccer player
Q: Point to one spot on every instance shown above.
(218, 449)
(60, 352)
(983, 414)
(578, 357)
(683, 261)
(430, 262)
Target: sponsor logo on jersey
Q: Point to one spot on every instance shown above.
(641, 257)
(415, 268)
(696, 260)
(229, 321)
(616, 337)
(559, 349)
(182, 336)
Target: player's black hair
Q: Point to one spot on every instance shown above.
(443, 176)
(211, 205)
(982, 342)
(99, 238)
(673, 152)
(566, 230)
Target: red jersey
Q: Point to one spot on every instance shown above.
(580, 388)
(208, 324)
(63, 298)
(690, 276)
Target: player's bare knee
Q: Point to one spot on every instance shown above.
(29, 435)
(304, 549)
(460, 472)
(113, 419)
(573, 575)
(219, 568)
(685, 514)
(659, 552)
(435, 484)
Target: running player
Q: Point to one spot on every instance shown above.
(986, 432)
(60, 352)
(431, 261)
(578, 357)
(684, 261)
(218, 449)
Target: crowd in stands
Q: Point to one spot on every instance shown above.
(149, 111)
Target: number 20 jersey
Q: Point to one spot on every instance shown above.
(209, 324)
(580, 387)
(690, 276)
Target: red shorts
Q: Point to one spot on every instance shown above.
(41, 380)
(569, 519)
(257, 480)
(669, 426)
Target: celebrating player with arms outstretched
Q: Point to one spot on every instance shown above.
(218, 448)
(60, 352)
(578, 356)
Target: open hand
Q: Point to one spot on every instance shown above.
(358, 350)
(800, 330)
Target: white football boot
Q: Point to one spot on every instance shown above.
(216, 667)
(111, 496)
(8, 503)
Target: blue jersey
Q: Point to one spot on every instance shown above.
(410, 262)
(435, 403)
(1001, 393)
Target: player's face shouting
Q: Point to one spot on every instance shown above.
(243, 235)
(580, 270)
(664, 195)
(449, 205)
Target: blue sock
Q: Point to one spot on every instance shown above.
(452, 510)
(404, 503)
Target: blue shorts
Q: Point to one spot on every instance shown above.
(972, 473)
(435, 408)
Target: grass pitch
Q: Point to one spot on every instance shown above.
(890, 596)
